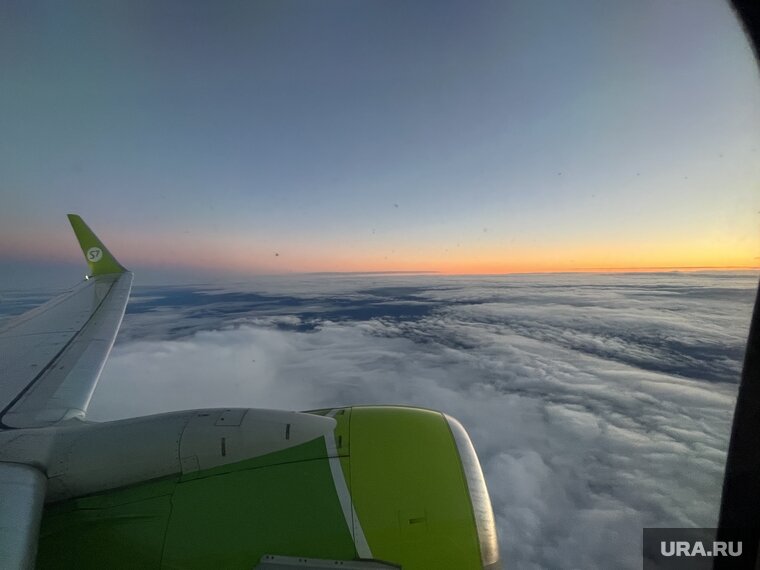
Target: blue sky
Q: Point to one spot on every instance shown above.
(443, 136)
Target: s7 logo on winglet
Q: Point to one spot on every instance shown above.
(94, 254)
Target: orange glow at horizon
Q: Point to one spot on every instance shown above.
(245, 256)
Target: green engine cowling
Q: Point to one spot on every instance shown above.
(418, 490)
(393, 484)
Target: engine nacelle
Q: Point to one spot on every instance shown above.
(232, 487)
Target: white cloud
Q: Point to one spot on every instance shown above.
(581, 448)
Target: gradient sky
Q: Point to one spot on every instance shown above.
(269, 137)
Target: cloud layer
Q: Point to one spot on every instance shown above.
(598, 404)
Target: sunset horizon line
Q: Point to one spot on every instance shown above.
(647, 269)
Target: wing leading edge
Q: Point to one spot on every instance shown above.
(51, 357)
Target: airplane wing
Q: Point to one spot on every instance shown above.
(52, 356)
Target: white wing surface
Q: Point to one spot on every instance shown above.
(51, 357)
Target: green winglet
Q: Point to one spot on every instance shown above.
(99, 259)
